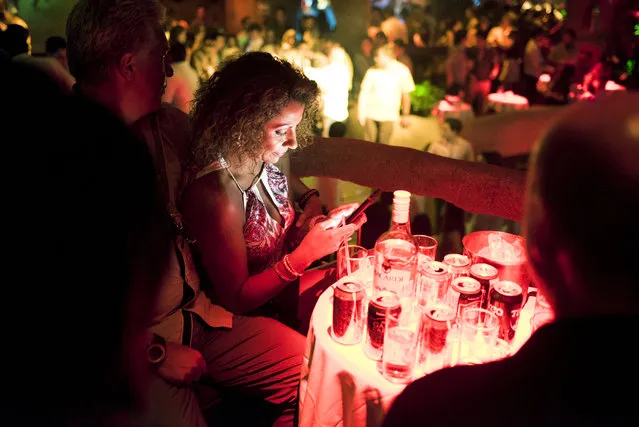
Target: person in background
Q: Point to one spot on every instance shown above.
(484, 27)
(430, 22)
(280, 23)
(399, 48)
(499, 36)
(393, 27)
(334, 80)
(575, 380)
(199, 22)
(255, 38)
(243, 34)
(179, 34)
(16, 42)
(566, 52)
(7, 18)
(485, 69)
(56, 47)
(182, 85)
(472, 24)
(67, 222)
(320, 11)
(385, 91)
(362, 61)
(457, 64)
(337, 130)
(118, 54)
(534, 65)
(206, 59)
(231, 49)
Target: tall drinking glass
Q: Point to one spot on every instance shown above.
(400, 344)
(426, 245)
(351, 258)
(477, 336)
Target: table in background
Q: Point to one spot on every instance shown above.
(341, 386)
(461, 111)
(503, 102)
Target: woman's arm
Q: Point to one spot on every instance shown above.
(216, 221)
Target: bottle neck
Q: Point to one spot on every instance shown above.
(400, 226)
(401, 218)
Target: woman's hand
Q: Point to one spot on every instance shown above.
(345, 211)
(313, 208)
(323, 239)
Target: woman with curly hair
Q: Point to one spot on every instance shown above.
(238, 207)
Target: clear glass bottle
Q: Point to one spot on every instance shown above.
(396, 252)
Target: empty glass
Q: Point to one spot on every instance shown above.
(426, 245)
(400, 344)
(351, 258)
(477, 336)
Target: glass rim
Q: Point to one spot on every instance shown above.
(433, 242)
(358, 249)
(484, 326)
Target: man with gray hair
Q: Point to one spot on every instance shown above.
(117, 52)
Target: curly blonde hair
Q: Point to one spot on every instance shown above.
(233, 107)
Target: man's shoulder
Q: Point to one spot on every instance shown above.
(449, 394)
(171, 117)
(399, 67)
(173, 125)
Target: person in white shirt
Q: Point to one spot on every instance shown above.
(385, 89)
(534, 64)
(500, 36)
(180, 88)
(334, 81)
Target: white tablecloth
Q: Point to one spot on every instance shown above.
(341, 386)
(507, 101)
(461, 111)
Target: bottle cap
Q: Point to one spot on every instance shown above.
(401, 206)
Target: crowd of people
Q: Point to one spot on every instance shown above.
(160, 262)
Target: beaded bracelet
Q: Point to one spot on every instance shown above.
(287, 263)
(307, 196)
(281, 270)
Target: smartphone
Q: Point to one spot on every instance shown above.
(365, 205)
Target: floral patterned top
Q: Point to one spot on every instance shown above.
(264, 236)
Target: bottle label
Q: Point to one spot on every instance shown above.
(397, 281)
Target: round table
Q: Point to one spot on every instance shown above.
(507, 101)
(461, 111)
(341, 386)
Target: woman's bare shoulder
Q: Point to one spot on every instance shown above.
(213, 192)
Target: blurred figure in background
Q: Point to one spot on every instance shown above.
(334, 81)
(385, 91)
(206, 59)
(56, 47)
(255, 38)
(181, 86)
(362, 61)
(399, 48)
(16, 42)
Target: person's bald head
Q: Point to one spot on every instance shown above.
(582, 219)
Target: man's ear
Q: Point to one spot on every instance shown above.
(127, 65)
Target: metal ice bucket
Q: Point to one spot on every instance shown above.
(515, 271)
